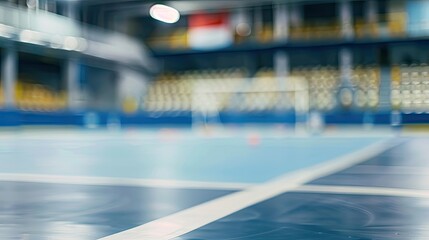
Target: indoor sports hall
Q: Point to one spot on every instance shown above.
(214, 120)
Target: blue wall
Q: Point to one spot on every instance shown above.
(185, 119)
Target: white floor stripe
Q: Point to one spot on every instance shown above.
(393, 170)
(104, 181)
(357, 190)
(190, 219)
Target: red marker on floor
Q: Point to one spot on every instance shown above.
(254, 139)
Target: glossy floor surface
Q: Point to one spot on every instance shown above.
(327, 208)
(90, 185)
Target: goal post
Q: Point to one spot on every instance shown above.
(283, 95)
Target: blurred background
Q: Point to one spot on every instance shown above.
(272, 87)
(119, 63)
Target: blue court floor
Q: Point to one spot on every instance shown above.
(177, 185)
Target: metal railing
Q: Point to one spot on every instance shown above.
(55, 31)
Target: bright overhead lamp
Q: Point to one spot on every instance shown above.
(164, 13)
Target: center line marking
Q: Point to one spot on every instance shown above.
(362, 190)
(180, 223)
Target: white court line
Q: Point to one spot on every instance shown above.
(105, 181)
(394, 170)
(358, 190)
(180, 223)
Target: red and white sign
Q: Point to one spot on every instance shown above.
(209, 30)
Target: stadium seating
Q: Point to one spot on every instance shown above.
(315, 31)
(176, 91)
(367, 83)
(410, 88)
(1, 97)
(230, 90)
(365, 29)
(35, 97)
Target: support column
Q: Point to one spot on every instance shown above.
(296, 18)
(53, 6)
(72, 10)
(281, 71)
(372, 17)
(372, 11)
(281, 64)
(258, 23)
(281, 22)
(72, 78)
(43, 5)
(241, 24)
(37, 6)
(346, 19)
(346, 91)
(346, 62)
(9, 76)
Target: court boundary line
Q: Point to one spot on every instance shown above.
(185, 221)
(363, 190)
(126, 182)
(388, 170)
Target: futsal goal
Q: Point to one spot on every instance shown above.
(211, 97)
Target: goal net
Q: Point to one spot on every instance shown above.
(244, 96)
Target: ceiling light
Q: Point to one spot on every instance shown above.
(164, 13)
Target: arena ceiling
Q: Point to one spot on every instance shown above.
(132, 7)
